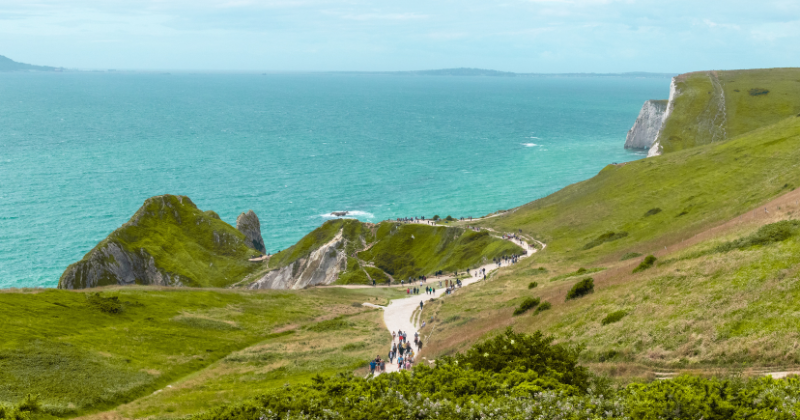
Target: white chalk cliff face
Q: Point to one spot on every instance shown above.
(645, 130)
(321, 267)
(656, 149)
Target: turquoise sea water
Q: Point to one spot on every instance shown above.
(80, 152)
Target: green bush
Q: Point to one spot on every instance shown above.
(109, 305)
(449, 218)
(613, 317)
(543, 307)
(645, 264)
(532, 285)
(765, 235)
(436, 217)
(526, 305)
(652, 212)
(516, 376)
(630, 255)
(581, 288)
(606, 237)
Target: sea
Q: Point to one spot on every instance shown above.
(81, 151)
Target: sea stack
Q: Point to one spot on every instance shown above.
(248, 224)
(645, 130)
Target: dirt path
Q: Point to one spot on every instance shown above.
(400, 314)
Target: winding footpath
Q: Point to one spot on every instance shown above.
(397, 316)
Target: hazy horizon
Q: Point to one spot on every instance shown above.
(532, 36)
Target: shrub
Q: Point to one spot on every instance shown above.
(30, 404)
(109, 305)
(630, 255)
(511, 351)
(581, 288)
(613, 317)
(758, 92)
(532, 285)
(606, 237)
(526, 305)
(607, 355)
(543, 307)
(765, 235)
(645, 264)
(652, 212)
(449, 218)
(436, 217)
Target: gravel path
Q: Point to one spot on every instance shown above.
(398, 314)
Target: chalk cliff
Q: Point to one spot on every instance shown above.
(645, 130)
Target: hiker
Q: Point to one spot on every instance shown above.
(394, 336)
(390, 356)
(383, 366)
(420, 308)
(372, 365)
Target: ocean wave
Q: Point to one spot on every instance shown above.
(532, 137)
(350, 213)
(529, 144)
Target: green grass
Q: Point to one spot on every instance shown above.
(82, 352)
(182, 240)
(579, 272)
(707, 184)
(411, 250)
(697, 117)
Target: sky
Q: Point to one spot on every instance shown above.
(528, 36)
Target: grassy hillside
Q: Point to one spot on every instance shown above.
(410, 250)
(84, 351)
(186, 244)
(719, 105)
(396, 250)
(723, 290)
(625, 208)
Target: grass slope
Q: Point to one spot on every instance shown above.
(398, 250)
(410, 250)
(182, 239)
(80, 355)
(720, 105)
(721, 295)
(694, 188)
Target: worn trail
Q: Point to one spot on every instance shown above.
(397, 316)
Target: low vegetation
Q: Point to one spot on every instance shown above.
(613, 317)
(526, 305)
(648, 262)
(83, 352)
(515, 376)
(532, 285)
(581, 288)
(606, 237)
(630, 255)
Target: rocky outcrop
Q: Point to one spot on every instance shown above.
(248, 224)
(645, 130)
(111, 264)
(322, 266)
(167, 242)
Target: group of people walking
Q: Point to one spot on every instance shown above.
(402, 349)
